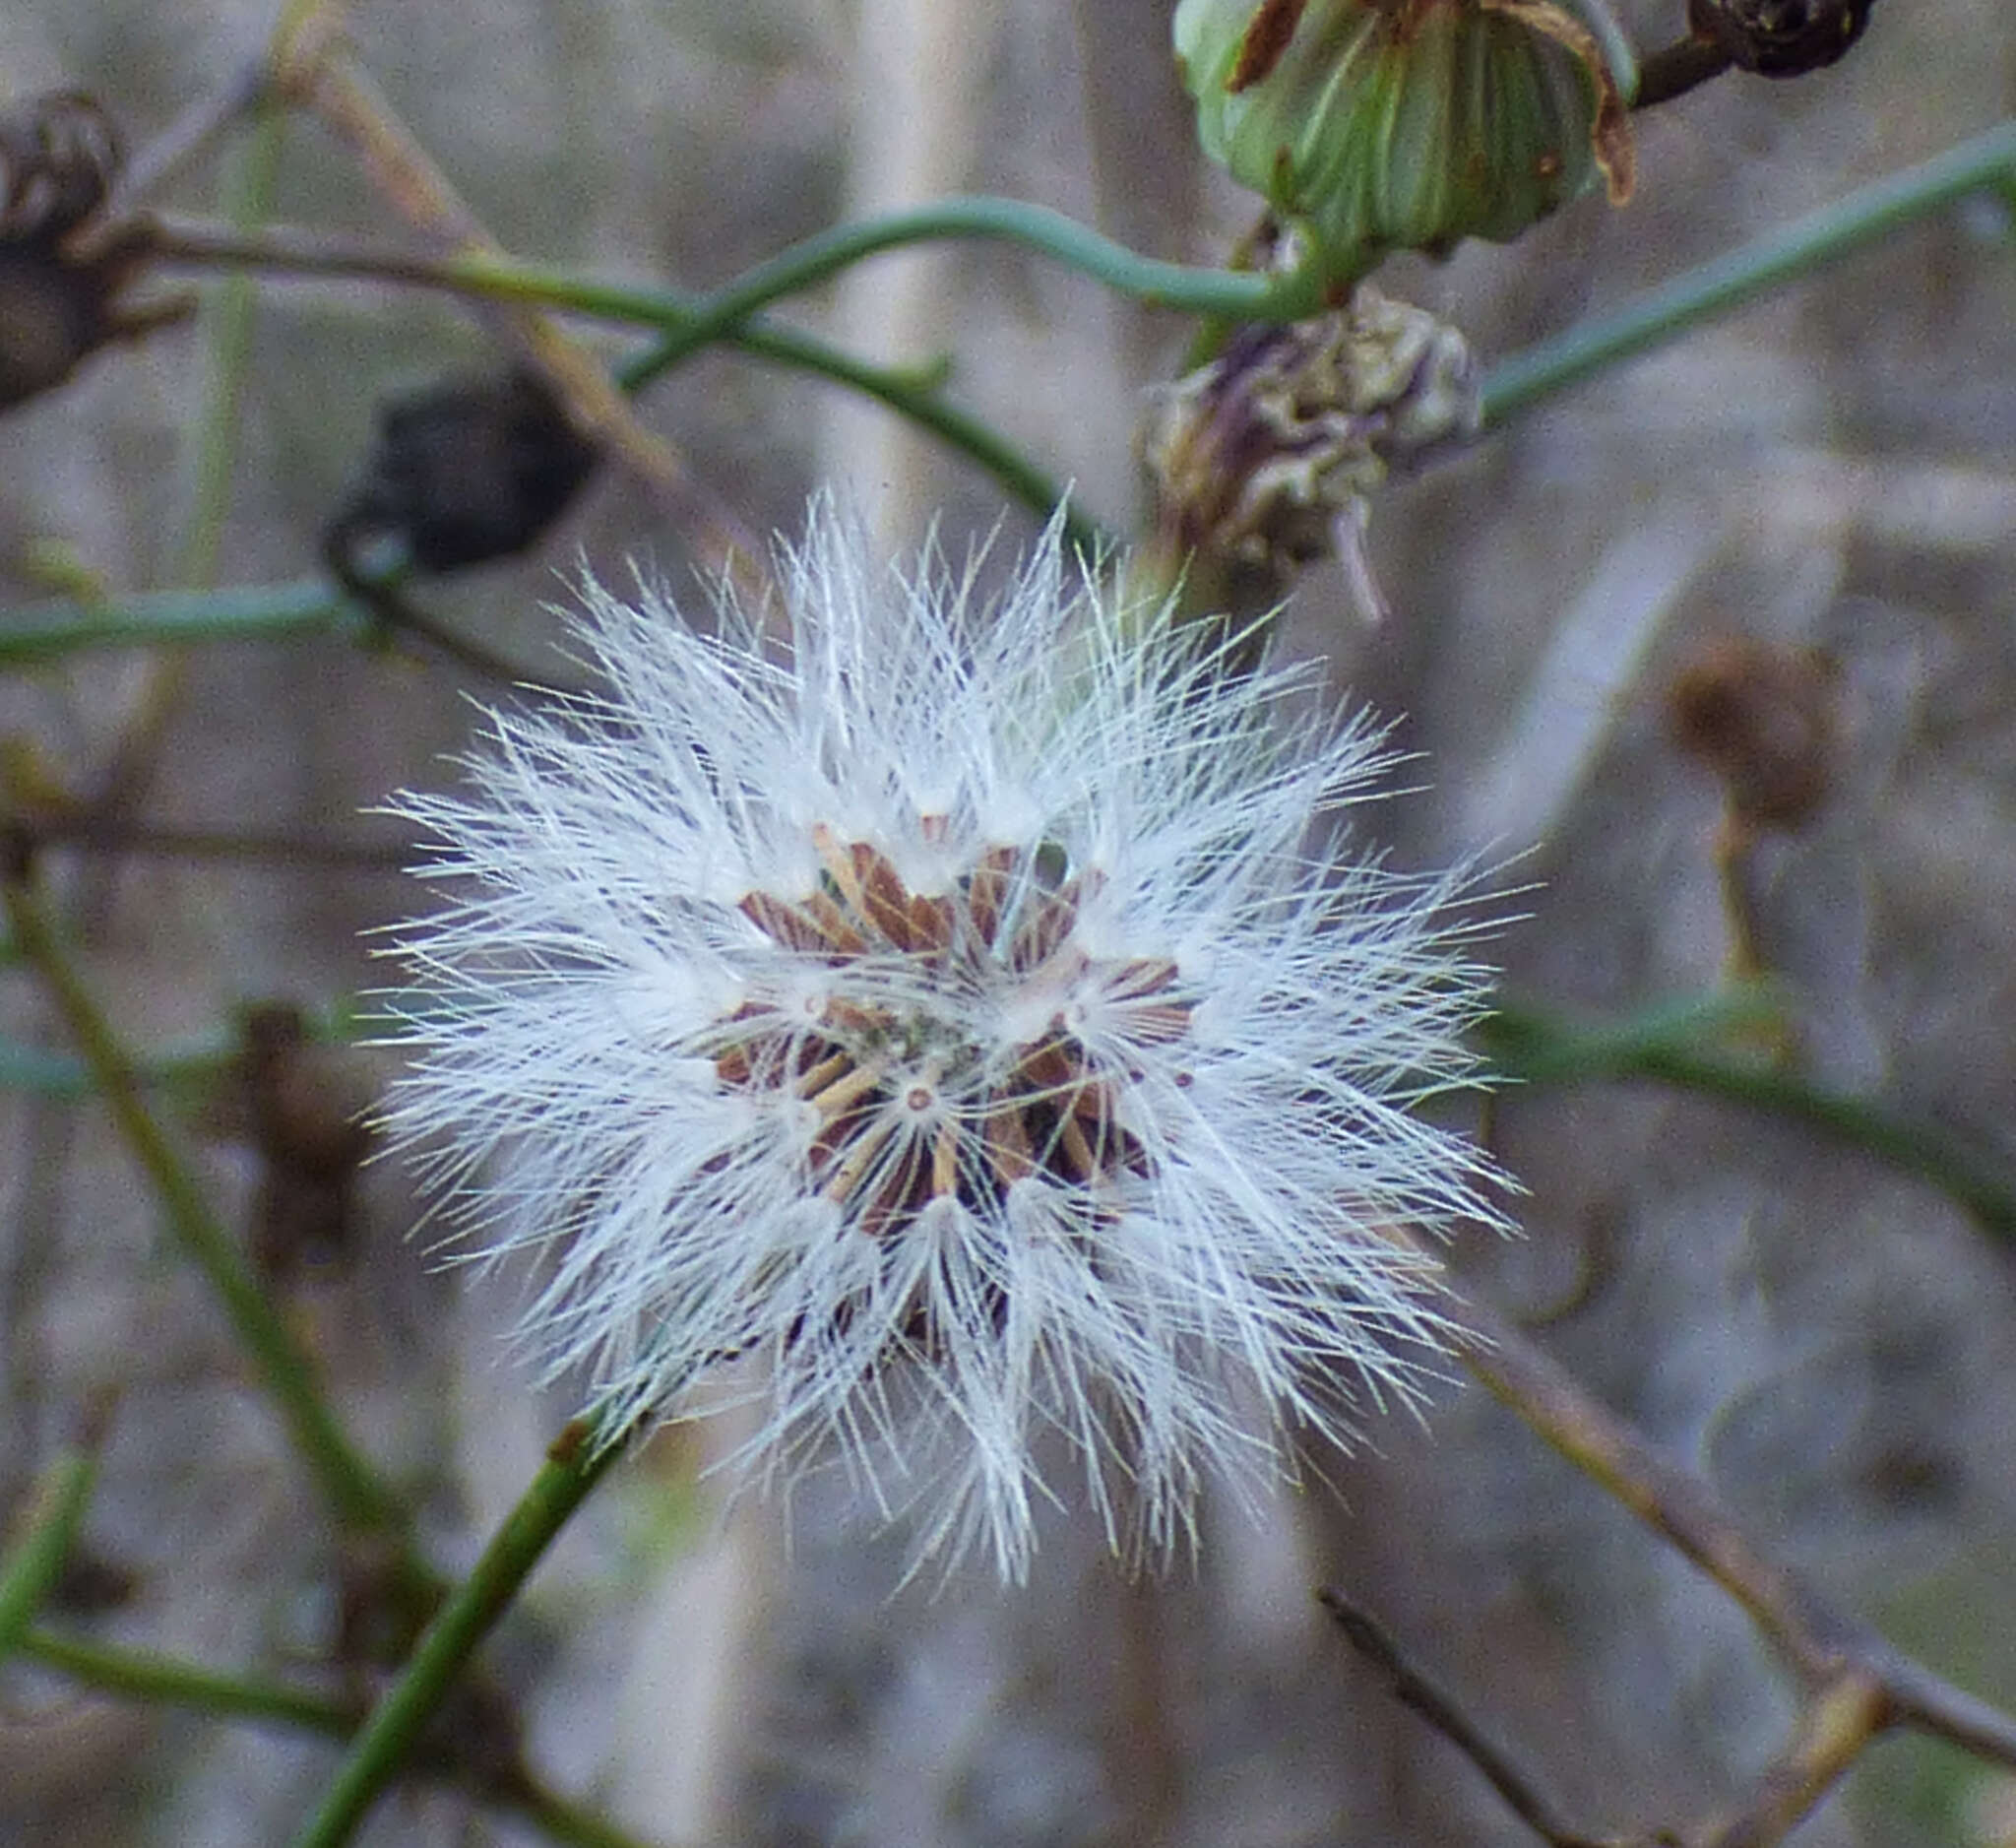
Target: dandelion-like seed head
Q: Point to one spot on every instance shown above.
(945, 1009)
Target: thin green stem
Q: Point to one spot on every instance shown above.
(691, 325)
(920, 401)
(1665, 1045)
(63, 1078)
(569, 1823)
(56, 1511)
(348, 1483)
(1910, 1147)
(692, 322)
(142, 1675)
(911, 392)
(191, 1062)
(231, 316)
(1533, 1047)
(576, 1463)
(260, 612)
(1518, 383)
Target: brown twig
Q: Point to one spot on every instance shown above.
(191, 132)
(1674, 69)
(115, 834)
(177, 239)
(343, 96)
(1414, 1690)
(1856, 1685)
(1837, 1721)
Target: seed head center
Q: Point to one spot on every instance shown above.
(915, 1102)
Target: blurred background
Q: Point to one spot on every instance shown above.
(1825, 481)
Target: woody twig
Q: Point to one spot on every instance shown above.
(1855, 1685)
(336, 90)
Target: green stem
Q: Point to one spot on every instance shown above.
(30, 1566)
(47, 631)
(1518, 383)
(568, 1823)
(1663, 1044)
(1534, 1047)
(65, 1079)
(351, 1485)
(909, 392)
(903, 392)
(141, 1674)
(692, 321)
(192, 1062)
(261, 612)
(691, 324)
(231, 315)
(576, 1463)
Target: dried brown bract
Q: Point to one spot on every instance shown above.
(1266, 456)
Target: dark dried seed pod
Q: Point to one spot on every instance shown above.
(467, 471)
(1762, 718)
(59, 154)
(1780, 38)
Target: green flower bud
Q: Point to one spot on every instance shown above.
(1380, 126)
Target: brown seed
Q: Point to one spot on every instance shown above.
(1080, 1160)
(945, 1162)
(987, 890)
(931, 923)
(1007, 1143)
(859, 1153)
(845, 1090)
(817, 1077)
(884, 898)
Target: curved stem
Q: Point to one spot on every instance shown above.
(922, 403)
(1907, 1146)
(1518, 383)
(1238, 294)
(699, 321)
(694, 321)
(577, 1462)
(1665, 1044)
(907, 390)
